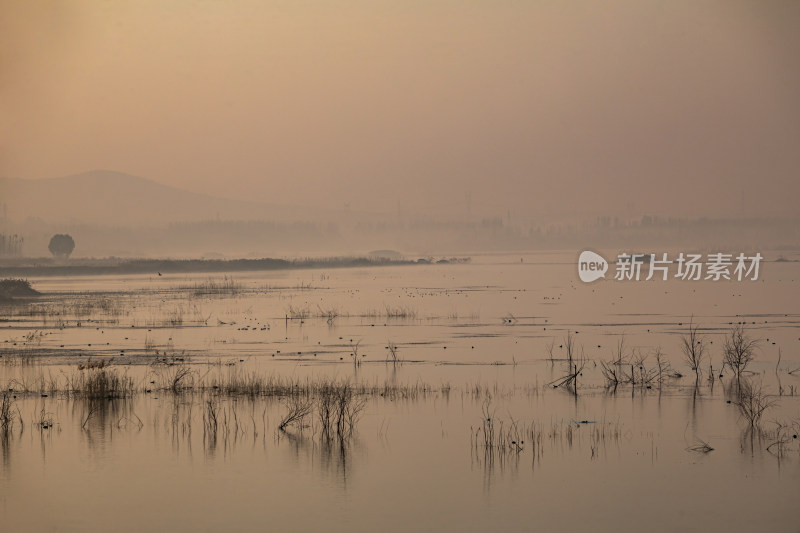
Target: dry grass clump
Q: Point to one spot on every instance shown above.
(632, 368)
(176, 378)
(99, 382)
(495, 435)
(399, 312)
(233, 382)
(167, 318)
(227, 286)
(298, 313)
(236, 382)
(330, 314)
(78, 307)
(391, 311)
(335, 407)
(499, 438)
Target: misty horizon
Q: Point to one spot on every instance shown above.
(543, 110)
(399, 265)
(119, 215)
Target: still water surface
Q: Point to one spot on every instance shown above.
(473, 344)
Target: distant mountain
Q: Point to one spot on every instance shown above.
(115, 198)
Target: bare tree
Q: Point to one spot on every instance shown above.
(694, 349)
(739, 350)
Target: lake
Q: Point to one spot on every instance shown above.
(469, 397)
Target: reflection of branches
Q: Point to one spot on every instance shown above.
(46, 420)
(783, 436)
(752, 402)
(570, 380)
(94, 407)
(700, 446)
(497, 443)
(550, 346)
(8, 413)
(569, 344)
(123, 422)
(333, 451)
(354, 354)
(298, 410)
(5, 448)
(392, 357)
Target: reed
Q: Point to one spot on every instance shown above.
(99, 383)
(226, 286)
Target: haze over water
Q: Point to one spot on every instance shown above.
(306, 266)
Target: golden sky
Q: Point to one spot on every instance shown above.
(674, 106)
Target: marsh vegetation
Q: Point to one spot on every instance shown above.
(341, 372)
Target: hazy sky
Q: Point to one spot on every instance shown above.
(536, 106)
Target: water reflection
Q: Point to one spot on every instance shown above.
(6, 438)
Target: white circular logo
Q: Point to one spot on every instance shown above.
(591, 266)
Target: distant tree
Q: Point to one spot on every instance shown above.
(10, 245)
(61, 245)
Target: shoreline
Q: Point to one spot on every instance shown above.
(89, 267)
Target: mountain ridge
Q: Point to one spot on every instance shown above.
(125, 199)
